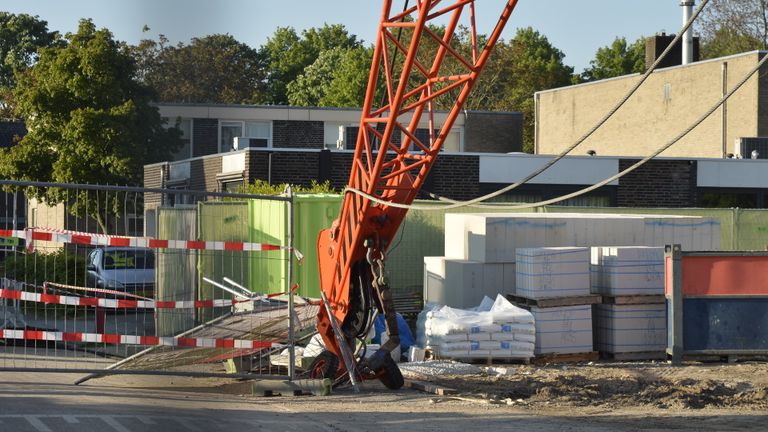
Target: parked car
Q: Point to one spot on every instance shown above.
(130, 270)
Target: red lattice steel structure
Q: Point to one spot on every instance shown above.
(390, 162)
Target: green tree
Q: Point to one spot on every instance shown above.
(726, 41)
(617, 59)
(337, 78)
(21, 36)
(89, 120)
(733, 26)
(287, 55)
(516, 70)
(212, 69)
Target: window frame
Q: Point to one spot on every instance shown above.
(242, 124)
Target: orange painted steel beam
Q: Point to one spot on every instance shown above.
(386, 167)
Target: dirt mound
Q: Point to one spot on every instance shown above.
(618, 386)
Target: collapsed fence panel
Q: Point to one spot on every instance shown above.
(83, 288)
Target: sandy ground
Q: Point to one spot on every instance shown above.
(654, 386)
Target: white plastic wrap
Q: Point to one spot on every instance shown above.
(495, 328)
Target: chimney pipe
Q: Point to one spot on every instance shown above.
(687, 42)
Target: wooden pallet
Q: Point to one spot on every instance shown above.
(431, 355)
(634, 356)
(555, 301)
(566, 358)
(633, 299)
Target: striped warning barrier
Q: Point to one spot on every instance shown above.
(114, 303)
(82, 238)
(57, 336)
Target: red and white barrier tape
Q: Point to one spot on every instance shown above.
(82, 238)
(56, 336)
(114, 303)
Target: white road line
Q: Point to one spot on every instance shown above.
(71, 419)
(114, 423)
(188, 425)
(146, 420)
(37, 424)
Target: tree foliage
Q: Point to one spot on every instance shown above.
(733, 26)
(89, 120)
(212, 69)
(516, 70)
(617, 59)
(337, 78)
(21, 36)
(287, 55)
(262, 187)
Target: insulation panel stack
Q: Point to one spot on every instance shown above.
(631, 328)
(621, 271)
(632, 324)
(563, 329)
(552, 272)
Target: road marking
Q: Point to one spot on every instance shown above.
(71, 419)
(37, 424)
(114, 423)
(146, 420)
(188, 425)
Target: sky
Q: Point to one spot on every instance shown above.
(577, 28)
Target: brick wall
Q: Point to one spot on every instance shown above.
(493, 132)
(202, 174)
(298, 168)
(658, 183)
(205, 137)
(297, 134)
(9, 131)
(455, 176)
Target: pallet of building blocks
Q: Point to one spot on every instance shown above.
(552, 272)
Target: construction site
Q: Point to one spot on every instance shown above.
(444, 288)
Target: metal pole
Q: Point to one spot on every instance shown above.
(289, 281)
(688, 35)
(724, 111)
(675, 345)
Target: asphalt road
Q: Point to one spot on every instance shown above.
(49, 402)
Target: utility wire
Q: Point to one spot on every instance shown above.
(603, 182)
(475, 201)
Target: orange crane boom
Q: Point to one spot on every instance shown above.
(410, 68)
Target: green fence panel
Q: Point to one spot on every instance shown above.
(311, 214)
(175, 271)
(268, 223)
(751, 230)
(222, 221)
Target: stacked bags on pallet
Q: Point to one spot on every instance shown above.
(493, 330)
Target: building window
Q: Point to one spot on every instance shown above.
(185, 126)
(231, 181)
(334, 135)
(238, 135)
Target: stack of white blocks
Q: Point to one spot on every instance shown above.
(480, 255)
(552, 272)
(629, 271)
(549, 272)
(631, 328)
(563, 329)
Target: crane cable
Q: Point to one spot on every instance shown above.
(475, 201)
(607, 180)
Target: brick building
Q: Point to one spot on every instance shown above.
(664, 106)
(663, 182)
